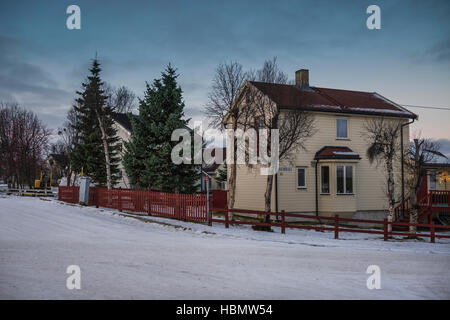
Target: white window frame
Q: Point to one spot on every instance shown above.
(304, 175)
(345, 179)
(346, 121)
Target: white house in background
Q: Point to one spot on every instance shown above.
(213, 170)
(123, 126)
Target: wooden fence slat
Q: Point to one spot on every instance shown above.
(336, 226)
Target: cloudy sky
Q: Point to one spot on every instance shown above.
(42, 63)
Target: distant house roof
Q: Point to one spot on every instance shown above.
(123, 120)
(331, 100)
(329, 152)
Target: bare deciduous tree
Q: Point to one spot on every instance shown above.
(421, 152)
(383, 138)
(120, 99)
(69, 136)
(294, 128)
(223, 105)
(23, 143)
(226, 84)
(269, 73)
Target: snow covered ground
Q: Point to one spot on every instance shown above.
(127, 258)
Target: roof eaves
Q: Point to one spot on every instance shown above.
(410, 115)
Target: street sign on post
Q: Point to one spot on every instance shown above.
(208, 212)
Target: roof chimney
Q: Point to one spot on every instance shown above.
(302, 78)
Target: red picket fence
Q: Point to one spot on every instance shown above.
(190, 207)
(193, 207)
(68, 194)
(334, 224)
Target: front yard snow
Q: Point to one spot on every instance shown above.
(123, 256)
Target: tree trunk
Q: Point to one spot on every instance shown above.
(105, 147)
(414, 213)
(391, 193)
(232, 185)
(233, 175)
(268, 197)
(69, 176)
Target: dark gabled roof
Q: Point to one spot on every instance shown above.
(330, 152)
(331, 100)
(123, 120)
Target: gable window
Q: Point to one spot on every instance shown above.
(341, 128)
(325, 179)
(301, 178)
(344, 179)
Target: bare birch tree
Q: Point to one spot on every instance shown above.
(383, 138)
(226, 84)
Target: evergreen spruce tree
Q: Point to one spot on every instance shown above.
(147, 158)
(97, 134)
(221, 174)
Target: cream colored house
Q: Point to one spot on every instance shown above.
(333, 175)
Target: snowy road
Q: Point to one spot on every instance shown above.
(125, 258)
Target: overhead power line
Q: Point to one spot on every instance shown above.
(425, 107)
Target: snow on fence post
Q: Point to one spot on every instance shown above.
(432, 235)
(336, 226)
(283, 222)
(385, 229)
(226, 218)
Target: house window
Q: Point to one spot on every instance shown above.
(432, 179)
(325, 179)
(344, 179)
(341, 129)
(301, 179)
